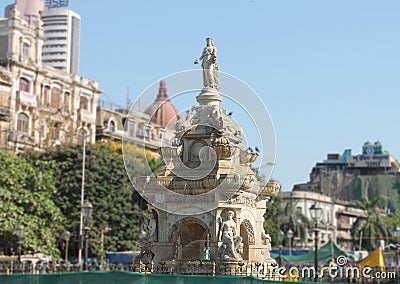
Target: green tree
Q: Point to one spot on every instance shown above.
(393, 222)
(26, 199)
(115, 203)
(291, 218)
(373, 226)
(271, 226)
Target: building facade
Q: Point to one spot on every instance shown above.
(145, 129)
(349, 176)
(61, 31)
(338, 217)
(62, 39)
(40, 106)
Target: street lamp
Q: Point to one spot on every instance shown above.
(280, 239)
(83, 137)
(316, 213)
(290, 236)
(103, 230)
(20, 233)
(87, 210)
(396, 234)
(67, 235)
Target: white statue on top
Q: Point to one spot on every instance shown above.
(209, 65)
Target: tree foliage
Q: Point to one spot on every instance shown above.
(107, 187)
(271, 225)
(293, 219)
(26, 199)
(373, 226)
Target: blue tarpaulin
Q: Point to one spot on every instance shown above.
(120, 257)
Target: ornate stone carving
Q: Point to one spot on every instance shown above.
(5, 76)
(149, 230)
(270, 189)
(267, 241)
(250, 232)
(240, 199)
(231, 241)
(223, 148)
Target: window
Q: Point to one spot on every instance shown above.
(22, 123)
(55, 97)
(46, 95)
(111, 126)
(84, 103)
(24, 84)
(67, 97)
(25, 50)
(55, 131)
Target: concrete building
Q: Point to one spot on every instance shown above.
(349, 176)
(338, 217)
(62, 39)
(40, 106)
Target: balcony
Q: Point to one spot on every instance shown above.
(88, 116)
(27, 99)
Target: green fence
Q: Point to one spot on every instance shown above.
(123, 277)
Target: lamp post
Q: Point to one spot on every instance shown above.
(316, 212)
(290, 236)
(396, 234)
(280, 239)
(103, 231)
(20, 233)
(67, 235)
(83, 137)
(87, 210)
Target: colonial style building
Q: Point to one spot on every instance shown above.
(40, 106)
(338, 217)
(61, 31)
(145, 129)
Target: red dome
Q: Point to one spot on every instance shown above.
(162, 111)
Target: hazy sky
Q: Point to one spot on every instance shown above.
(328, 71)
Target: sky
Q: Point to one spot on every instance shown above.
(327, 71)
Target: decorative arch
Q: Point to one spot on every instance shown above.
(248, 227)
(189, 236)
(183, 221)
(194, 150)
(247, 234)
(112, 126)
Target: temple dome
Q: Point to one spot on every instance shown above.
(162, 111)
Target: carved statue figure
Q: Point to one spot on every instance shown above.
(144, 229)
(209, 65)
(267, 242)
(152, 227)
(230, 240)
(148, 229)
